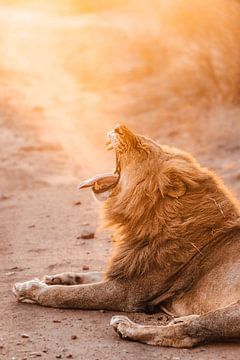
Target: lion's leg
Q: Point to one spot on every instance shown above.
(71, 278)
(108, 295)
(188, 331)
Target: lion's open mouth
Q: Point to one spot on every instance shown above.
(105, 182)
(113, 140)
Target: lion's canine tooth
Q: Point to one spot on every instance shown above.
(109, 145)
(96, 186)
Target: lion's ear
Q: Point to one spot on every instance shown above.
(176, 187)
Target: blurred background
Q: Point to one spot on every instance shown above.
(71, 70)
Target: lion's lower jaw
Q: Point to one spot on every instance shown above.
(101, 197)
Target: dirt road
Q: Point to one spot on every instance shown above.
(64, 82)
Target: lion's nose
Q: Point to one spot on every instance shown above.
(120, 129)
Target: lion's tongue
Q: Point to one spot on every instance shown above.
(100, 183)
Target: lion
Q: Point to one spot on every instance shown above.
(177, 243)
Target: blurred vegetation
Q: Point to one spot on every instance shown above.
(70, 6)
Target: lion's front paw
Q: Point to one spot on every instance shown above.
(29, 291)
(123, 325)
(52, 280)
(69, 278)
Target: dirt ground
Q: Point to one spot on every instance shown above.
(65, 80)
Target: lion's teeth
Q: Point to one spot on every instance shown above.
(113, 141)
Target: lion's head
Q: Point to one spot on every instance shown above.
(148, 175)
(142, 164)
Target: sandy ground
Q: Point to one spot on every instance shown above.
(64, 82)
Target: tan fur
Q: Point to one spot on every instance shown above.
(177, 238)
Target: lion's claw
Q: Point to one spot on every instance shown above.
(122, 325)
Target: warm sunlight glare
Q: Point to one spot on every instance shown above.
(76, 68)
